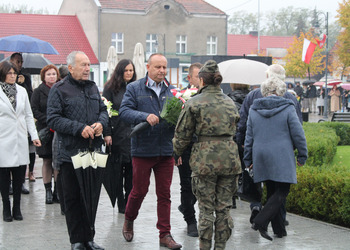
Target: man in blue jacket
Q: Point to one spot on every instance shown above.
(152, 148)
(77, 114)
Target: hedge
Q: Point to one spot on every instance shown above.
(323, 189)
(322, 193)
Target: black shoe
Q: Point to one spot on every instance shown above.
(280, 235)
(93, 246)
(192, 230)
(255, 212)
(78, 246)
(181, 209)
(121, 210)
(254, 227)
(264, 234)
(24, 190)
(55, 198)
(16, 212)
(6, 213)
(286, 223)
(49, 197)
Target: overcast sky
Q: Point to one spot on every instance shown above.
(228, 6)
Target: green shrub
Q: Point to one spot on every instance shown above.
(322, 143)
(323, 189)
(322, 193)
(342, 130)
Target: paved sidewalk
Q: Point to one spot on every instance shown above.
(44, 227)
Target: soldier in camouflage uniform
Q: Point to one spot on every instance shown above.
(215, 164)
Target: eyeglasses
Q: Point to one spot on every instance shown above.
(12, 73)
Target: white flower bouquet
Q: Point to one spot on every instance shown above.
(110, 110)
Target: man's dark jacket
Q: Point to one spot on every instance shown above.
(71, 106)
(140, 101)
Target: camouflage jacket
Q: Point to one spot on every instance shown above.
(211, 116)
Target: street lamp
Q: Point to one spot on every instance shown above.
(325, 113)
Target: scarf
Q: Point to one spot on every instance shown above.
(11, 93)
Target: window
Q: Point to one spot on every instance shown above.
(118, 42)
(181, 44)
(151, 44)
(212, 45)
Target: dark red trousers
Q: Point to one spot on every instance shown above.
(163, 167)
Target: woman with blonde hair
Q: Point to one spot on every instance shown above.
(273, 131)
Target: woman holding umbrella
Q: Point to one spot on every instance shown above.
(49, 76)
(16, 120)
(117, 134)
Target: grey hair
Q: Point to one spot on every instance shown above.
(276, 70)
(273, 86)
(71, 57)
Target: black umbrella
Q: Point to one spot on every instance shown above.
(32, 63)
(89, 168)
(308, 82)
(112, 176)
(139, 127)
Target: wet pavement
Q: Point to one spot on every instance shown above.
(44, 227)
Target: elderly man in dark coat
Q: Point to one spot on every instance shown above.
(273, 130)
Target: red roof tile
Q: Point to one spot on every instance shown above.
(192, 6)
(65, 33)
(248, 44)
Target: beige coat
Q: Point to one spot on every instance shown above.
(335, 105)
(14, 128)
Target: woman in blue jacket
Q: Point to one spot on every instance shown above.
(273, 132)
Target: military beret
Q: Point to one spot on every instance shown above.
(210, 66)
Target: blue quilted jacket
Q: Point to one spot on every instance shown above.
(139, 101)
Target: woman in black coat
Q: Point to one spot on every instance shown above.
(49, 76)
(116, 136)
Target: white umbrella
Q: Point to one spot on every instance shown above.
(243, 71)
(139, 61)
(112, 60)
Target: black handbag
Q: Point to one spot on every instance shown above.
(45, 135)
(247, 189)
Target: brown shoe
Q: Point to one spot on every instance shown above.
(31, 177)
(128, 230)
(169, 242)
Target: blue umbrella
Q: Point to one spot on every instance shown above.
(27, 44)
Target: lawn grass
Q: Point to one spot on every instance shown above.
(342, 157)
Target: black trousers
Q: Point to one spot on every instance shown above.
(277, 193)
(5, 179)
(75, 212)
(187, 198)
(124, 184)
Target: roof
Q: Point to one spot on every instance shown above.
(248, 44)
(65, 33)
(191, 6)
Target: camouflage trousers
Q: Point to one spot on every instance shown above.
(214, 194)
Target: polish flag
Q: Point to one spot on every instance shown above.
(308, 50)
(321, 43)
